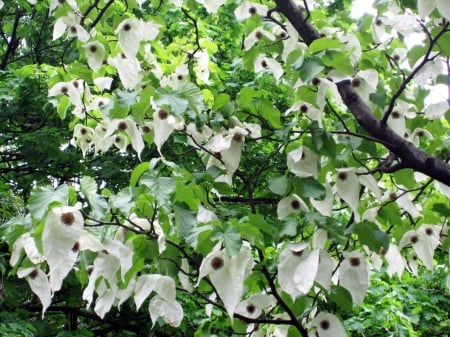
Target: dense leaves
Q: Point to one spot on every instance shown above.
(224, 168)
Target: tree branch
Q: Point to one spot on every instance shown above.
(13, 40)
(294, 13)
(409, 155)
(413, 73)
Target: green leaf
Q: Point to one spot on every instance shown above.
(186, 193)
(80, 70)
(372, 236)
(15, 227)
(194, 96)
(62, 106)
(341, 297)
(295, 59)
(323, 43)
(137, 172)
(126, 98)
(378, 98)
(310, 69)
(405, 177)
(322, 141)
(415, 53)
(339, 60)
(200, 238)
(443, 209)
(161, 187)
(220, 101)
(185, 219)
(247, 94)
(308, 188)
(257, 220)
(443, 44)
(98, 203)
(288, 227)
(42, 197)
(223, 188)
(269, 112)
(232, 241)
(293, 332)
(279, 185)
(175, 100)
(118, 111)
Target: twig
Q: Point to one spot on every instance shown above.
(413, 73)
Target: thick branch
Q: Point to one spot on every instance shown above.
(413, 73)
(409, 155)
(294, 13)
(13, 40)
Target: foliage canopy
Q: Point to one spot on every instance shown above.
(201, 167)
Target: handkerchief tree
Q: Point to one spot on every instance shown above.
(287, 155)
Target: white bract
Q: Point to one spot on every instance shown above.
(132, 31)
(422, 245)
(327, 90)
(66, 88)
(255, 305)
(324, 206)
(327, 325)
(103, 83)
(198, 136)
(418, 134)
(226, 151)
(310, 110)
(212, 6)
(39, 285)
(176, 79)
(202, 70)
(444, 8)
(71, 22)
(436, 110)
(248, 8)
(62, 230)
(429, 72)
(297, 269)
(25, 242)
(95, 54)
(129, 127)
(425, 7)
(163, 125)
(57, 3)
(406, 202)
(396, 262)
(227, 274)
(290, 205)
(379, 30)
(433, 234)
(303, 162)
(365, 83)
(263, 63)
(129, 69)
(183, 276)
(144, 224)
(169, 310)
(256, 35)
(83, 137)
(354, 275)
(367, 179)
(348, 187)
